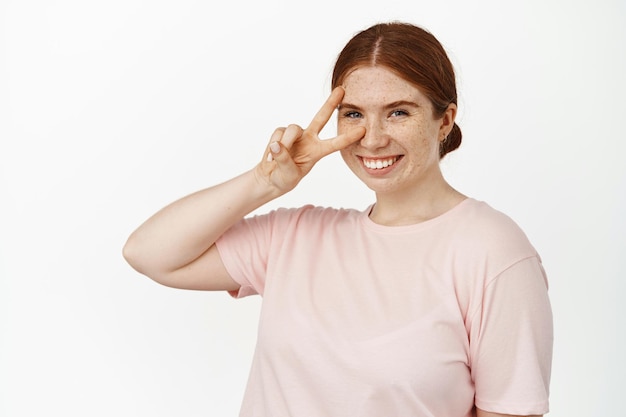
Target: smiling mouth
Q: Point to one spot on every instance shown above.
(380, 163)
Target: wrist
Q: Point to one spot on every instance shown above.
(260, 186)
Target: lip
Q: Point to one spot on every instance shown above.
(379, 165)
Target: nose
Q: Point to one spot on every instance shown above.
(376, 136)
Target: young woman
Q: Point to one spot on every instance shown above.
(427, 303)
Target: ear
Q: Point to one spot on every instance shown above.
(447, 121)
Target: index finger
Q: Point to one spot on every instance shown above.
(327, 109)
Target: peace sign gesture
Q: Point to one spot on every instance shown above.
(292, 151)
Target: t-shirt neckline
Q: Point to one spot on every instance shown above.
(369, 223)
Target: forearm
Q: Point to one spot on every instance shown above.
(182, 231)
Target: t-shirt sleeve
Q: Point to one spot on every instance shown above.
(249, 244)
(244, 251)
(511, 342)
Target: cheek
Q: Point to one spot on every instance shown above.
(417, 134)
(350, 159)
(343, 126)
(410, 134)
(345, 154)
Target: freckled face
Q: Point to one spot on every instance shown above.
(400, 149)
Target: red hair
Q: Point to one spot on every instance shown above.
(415, 55)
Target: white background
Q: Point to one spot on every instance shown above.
(110, 110)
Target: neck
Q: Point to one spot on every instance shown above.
(405, 208)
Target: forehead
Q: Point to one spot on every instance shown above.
(379, 85)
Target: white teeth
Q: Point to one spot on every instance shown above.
(379, 163)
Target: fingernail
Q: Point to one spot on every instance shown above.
(274, 147)
(270, 158)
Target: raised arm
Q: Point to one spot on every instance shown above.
(176, 246)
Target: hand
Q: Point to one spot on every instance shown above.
(292, 152)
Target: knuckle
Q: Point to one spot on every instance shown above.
(277, 134)
(294, 128)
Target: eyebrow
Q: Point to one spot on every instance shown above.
(394, 104)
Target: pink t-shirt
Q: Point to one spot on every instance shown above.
(364, 320)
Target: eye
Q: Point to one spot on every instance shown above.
(352, 115)
(399, 113)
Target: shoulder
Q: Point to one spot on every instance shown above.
(487, 243)
(488, 226)
(481, 214)
(488, 235)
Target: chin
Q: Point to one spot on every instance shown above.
(380, 185)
